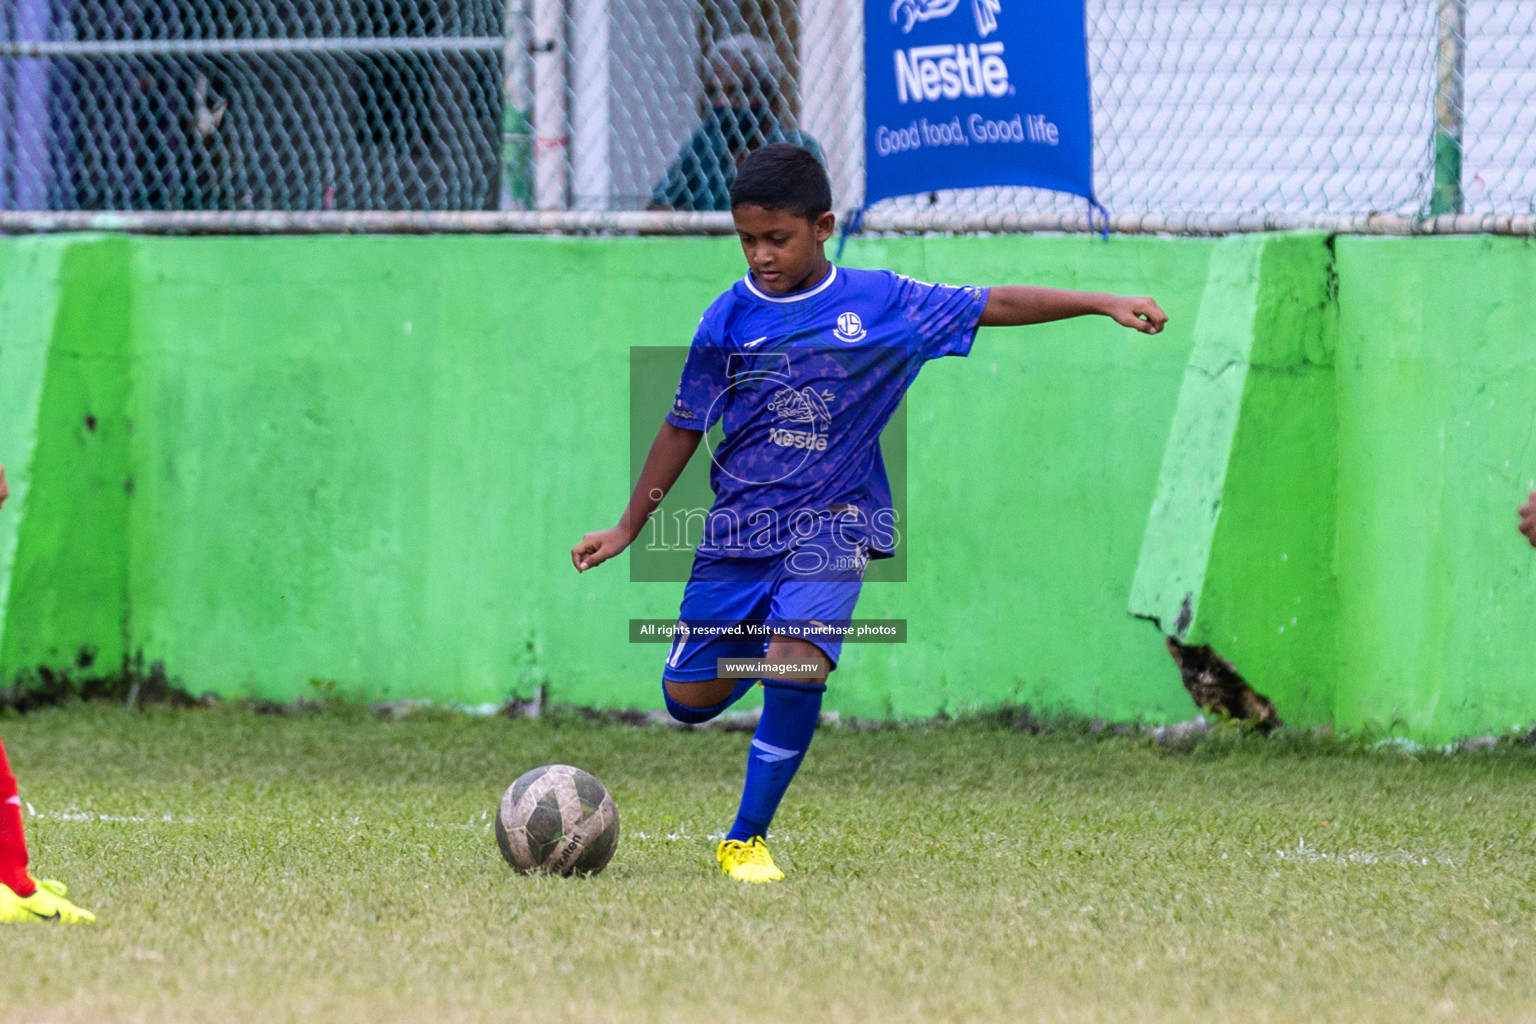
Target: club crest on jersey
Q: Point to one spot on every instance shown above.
(849, 328)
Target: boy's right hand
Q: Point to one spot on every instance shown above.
(5, 491)
(597, 548)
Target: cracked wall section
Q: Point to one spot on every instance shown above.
(1238, 553)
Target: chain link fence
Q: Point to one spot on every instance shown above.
(1208, 114)
(253, 104)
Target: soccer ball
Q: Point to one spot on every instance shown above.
(557, 819)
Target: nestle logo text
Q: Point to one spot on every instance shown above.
(950, 71)
(797, 439)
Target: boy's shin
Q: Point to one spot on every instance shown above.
(791, 710)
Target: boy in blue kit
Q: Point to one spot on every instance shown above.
(803, 363)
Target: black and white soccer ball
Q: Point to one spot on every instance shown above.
(557, 819)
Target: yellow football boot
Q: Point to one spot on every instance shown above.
(46, 905)
(747, 861)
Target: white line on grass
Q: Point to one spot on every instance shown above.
(1312, 855)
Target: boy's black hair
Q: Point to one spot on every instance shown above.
(782, 176)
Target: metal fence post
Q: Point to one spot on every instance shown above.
(33, 151)
(551, 131)
(516, 129)
(1450, 62)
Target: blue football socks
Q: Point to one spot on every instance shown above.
(697, 716)
(790, 712)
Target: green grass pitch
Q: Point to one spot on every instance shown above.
(339, 868)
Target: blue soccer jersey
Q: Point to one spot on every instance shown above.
(803, 385)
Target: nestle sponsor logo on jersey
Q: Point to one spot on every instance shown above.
(797, 439)
(950, 71)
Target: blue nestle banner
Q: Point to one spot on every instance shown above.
(967, 93)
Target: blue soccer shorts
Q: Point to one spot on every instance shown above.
(760, 593)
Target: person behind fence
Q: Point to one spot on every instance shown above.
(802, 363)
(747, 109)
(24, 899)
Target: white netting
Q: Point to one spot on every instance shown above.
(1206, 112)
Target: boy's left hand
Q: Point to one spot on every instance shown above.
(1142, 314)
(597, 547)
(5, 491)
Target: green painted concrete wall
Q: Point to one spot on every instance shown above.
(1238, 554)
(63, 434)
(1335, 509)
(1437, 446)
(29, 301)
(365, 460)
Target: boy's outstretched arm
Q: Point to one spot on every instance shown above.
(1017, 305)
(670, 452)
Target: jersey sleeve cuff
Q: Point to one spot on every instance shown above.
(978, 307)
(685, 423)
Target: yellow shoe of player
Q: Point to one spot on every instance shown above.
(45, 905)
(747, 861)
